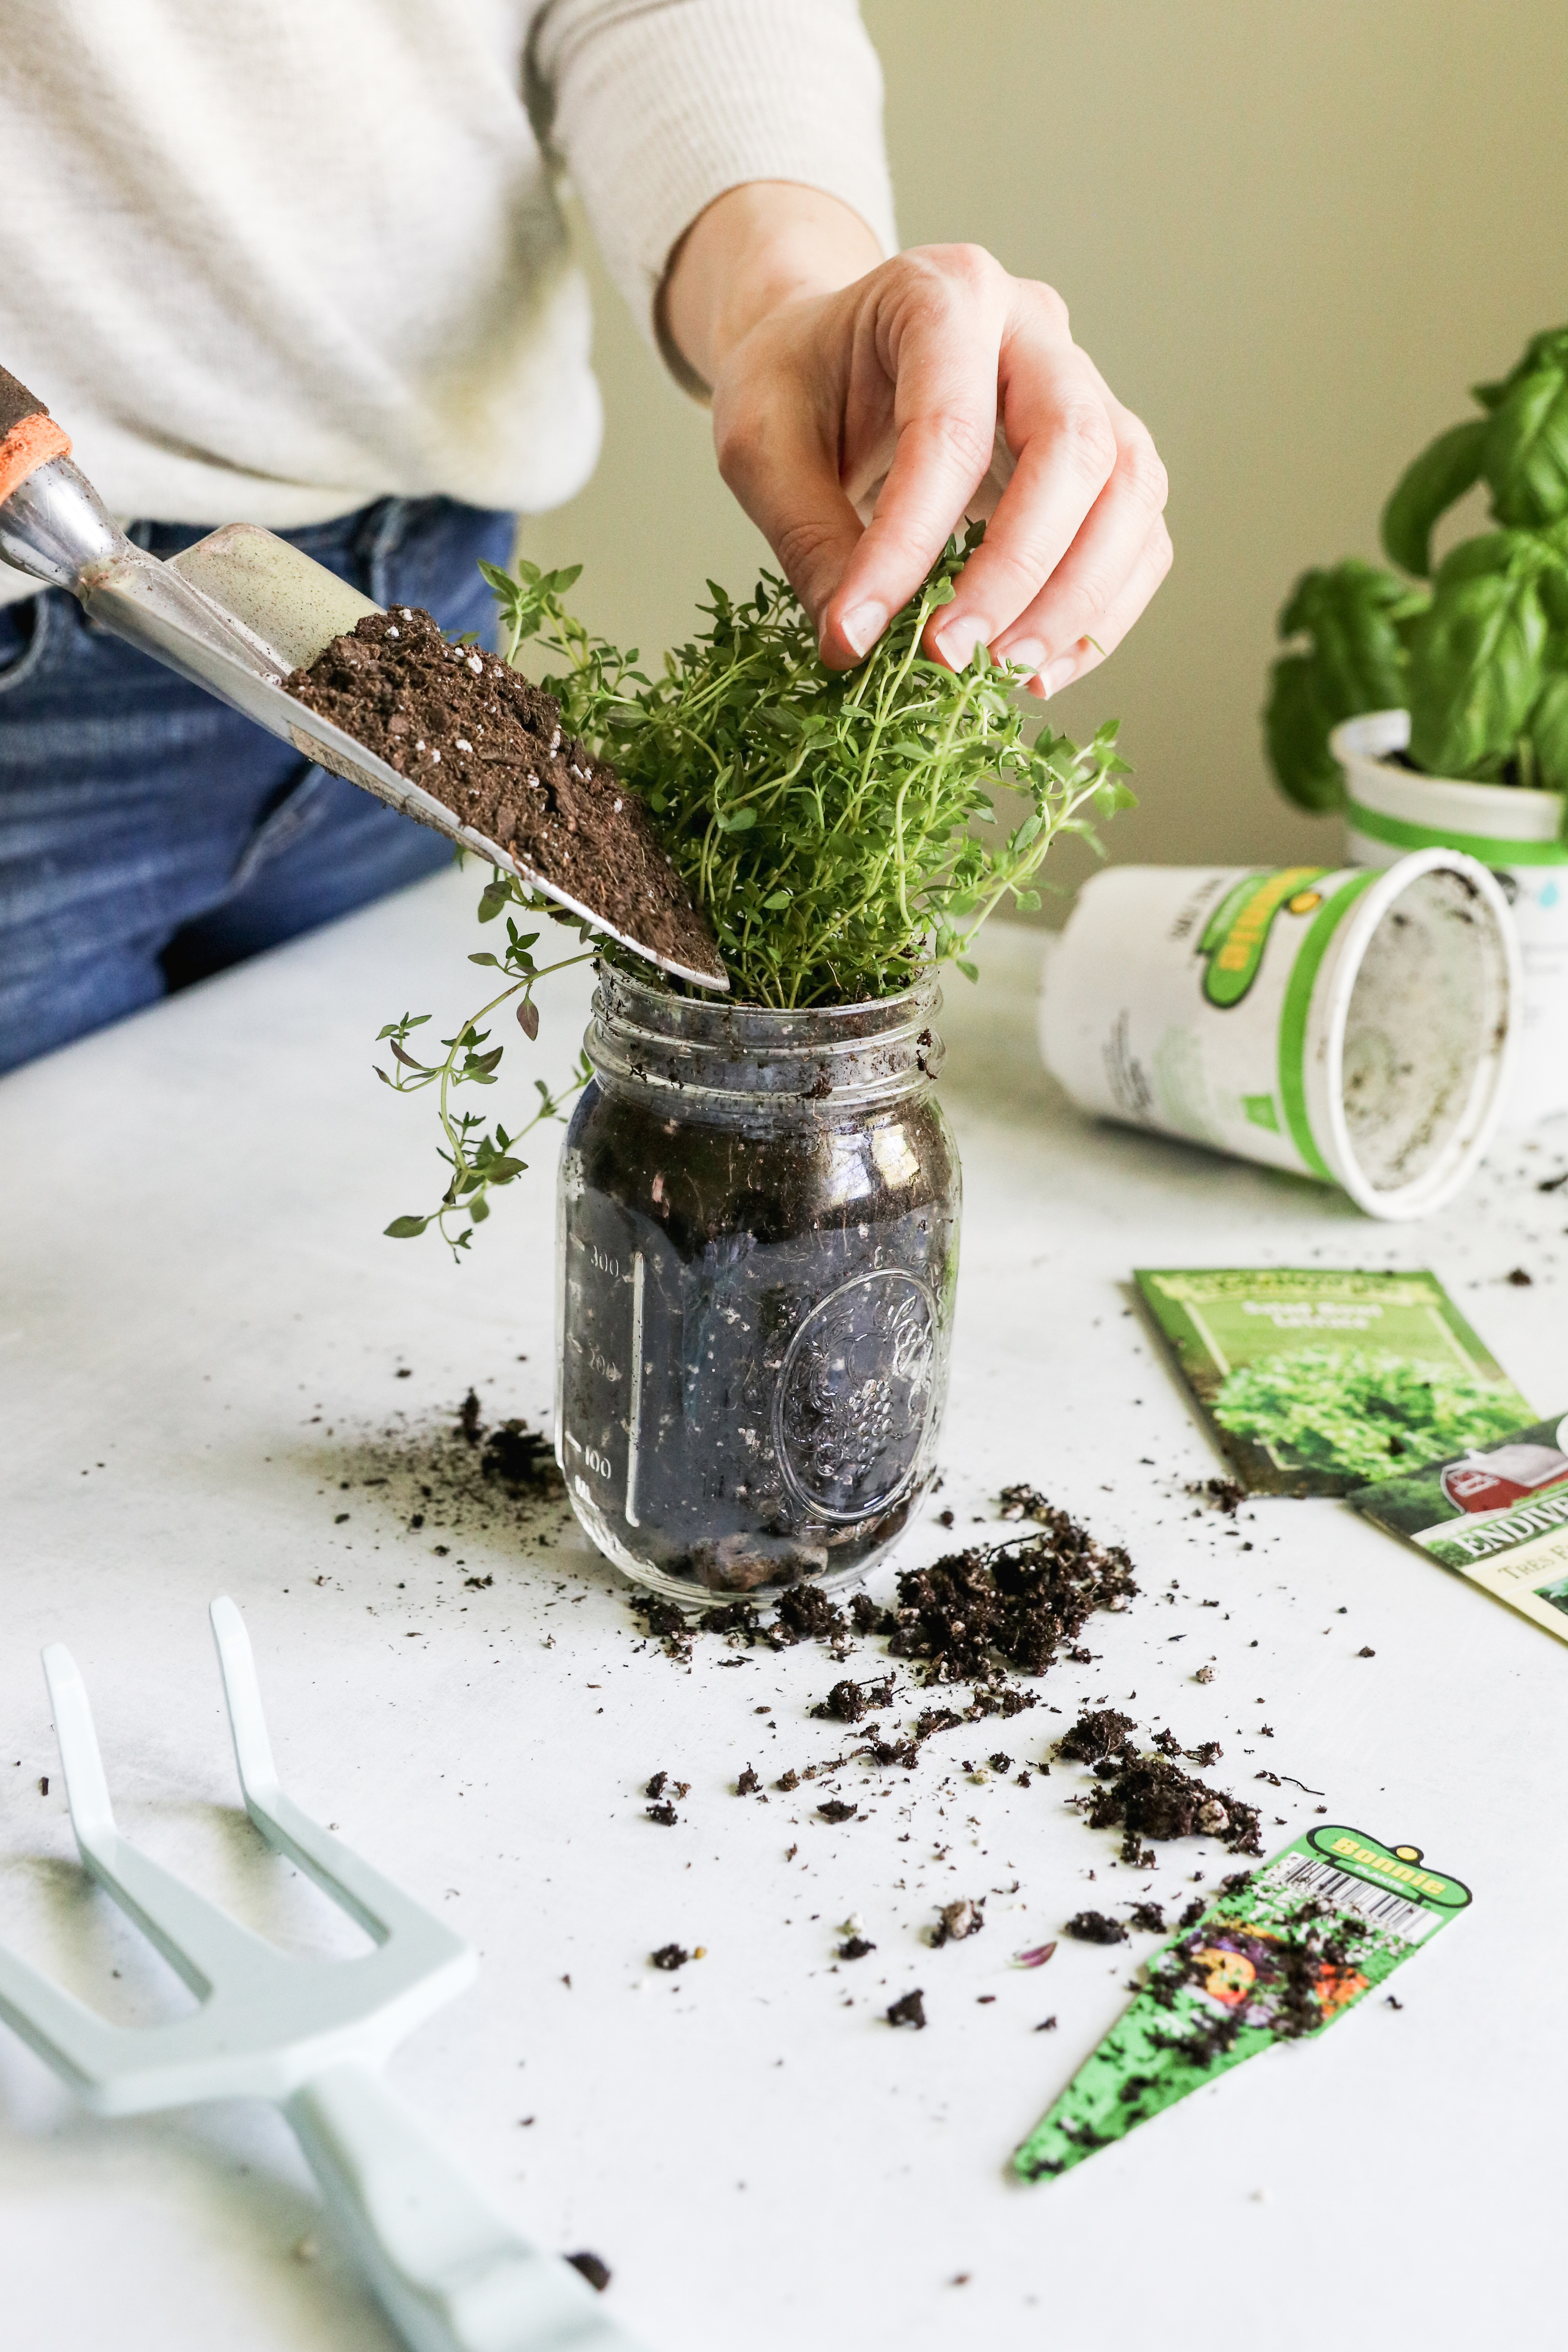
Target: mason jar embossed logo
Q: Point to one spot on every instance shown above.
(854, 1395)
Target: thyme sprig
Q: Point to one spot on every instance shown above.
(481, 1158)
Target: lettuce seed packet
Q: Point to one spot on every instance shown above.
(1285, 1951)
(1316, 1381)
(1498, 1514)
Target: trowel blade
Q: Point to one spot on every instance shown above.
(242, 609)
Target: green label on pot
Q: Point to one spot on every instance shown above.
(1237, 933)
(1283, 1953)
(1498, 1514)
(1317, 1382)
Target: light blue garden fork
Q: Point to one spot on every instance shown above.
(311, 2035)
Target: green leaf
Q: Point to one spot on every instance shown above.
(406, 1229)
(1427, 489)
(777, 901)
(492, 960)
(1354, 661)
(1526, 457)
(1548, 733)
(1475, 657)
(969, 970)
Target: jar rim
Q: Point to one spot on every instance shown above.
(874, 1051)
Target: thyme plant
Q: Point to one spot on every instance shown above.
(823, 821)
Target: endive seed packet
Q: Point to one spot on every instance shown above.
(1316, 1382)
(1498, 1514)
(1285, 1951)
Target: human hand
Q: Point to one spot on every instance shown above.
(863, 408)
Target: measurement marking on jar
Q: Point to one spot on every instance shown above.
(599, 1464)
(633, 1423)
(604, 1264)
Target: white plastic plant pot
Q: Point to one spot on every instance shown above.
(1354, 1025)
(1516, 834)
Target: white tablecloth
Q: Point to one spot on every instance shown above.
(200, 1333)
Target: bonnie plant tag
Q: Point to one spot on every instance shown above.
(1276, 1958)
(1498, 1514)
(1316, 1382)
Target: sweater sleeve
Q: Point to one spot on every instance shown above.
(657, 107)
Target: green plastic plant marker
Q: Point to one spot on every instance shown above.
(1278, 1959)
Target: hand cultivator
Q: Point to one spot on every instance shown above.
(309, 2035)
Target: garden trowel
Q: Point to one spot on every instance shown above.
(235, 614)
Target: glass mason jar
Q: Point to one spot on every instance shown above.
(757, 1256)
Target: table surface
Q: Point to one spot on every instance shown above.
(201, 1337)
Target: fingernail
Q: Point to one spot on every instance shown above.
(861, 626)
(1062, 672)
(1030, 655)
(956, 643)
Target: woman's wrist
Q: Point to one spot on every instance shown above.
(754, 248)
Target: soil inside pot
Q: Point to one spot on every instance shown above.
(491, 747)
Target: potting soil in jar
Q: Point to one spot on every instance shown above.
(758, 1240)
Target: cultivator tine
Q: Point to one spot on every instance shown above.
(197, 1939)
(379, 1908)
(63, 2031)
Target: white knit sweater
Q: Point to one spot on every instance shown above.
(267, 263)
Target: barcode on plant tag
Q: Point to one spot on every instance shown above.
(1299, 1874)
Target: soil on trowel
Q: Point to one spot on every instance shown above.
(491, 747)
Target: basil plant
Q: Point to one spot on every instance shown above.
(1476, 650)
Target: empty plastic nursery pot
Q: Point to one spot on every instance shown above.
(1519, 836)
(1354, 1025)
(758, 1233)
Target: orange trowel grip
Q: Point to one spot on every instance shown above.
(29, 436)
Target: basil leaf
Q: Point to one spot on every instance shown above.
(1526, 459)
(1355, 662)
(1440, 476)
(1548, 733)
(1475, 657)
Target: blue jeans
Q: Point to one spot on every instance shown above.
(148, 836)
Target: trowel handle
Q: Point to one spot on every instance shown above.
(53, 524)
(29, 436)
(451, 2272)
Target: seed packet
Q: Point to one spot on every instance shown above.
(1283, 1953)
(1498, 1514)
(1316, 1382)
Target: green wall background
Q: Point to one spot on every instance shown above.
(1292, 232)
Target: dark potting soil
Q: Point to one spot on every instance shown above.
(668, 1957)
(596, 2272)
(969, 1617)
(1096, 1736)
(909, 2010)
(1150, 1797)
(1014, 1603)
(490, 747)
(1094, 1928)
(793, 1317)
